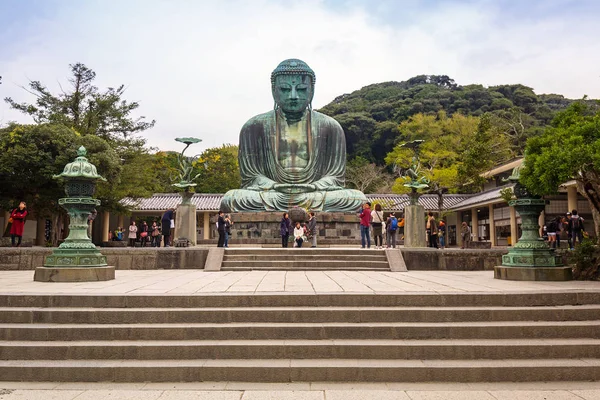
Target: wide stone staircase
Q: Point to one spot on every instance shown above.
(287, 337)
(246, 259)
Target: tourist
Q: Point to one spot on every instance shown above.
(392, 229)
(17, 221)
(559, 229)
(576, 226)
(465, 234)
(299, 234)
(165, 224)
(312, 229)
(119, 234)
(442, 233)
(567, 227)
(365, 225)
(155, 233)
(551, 229)
(144, 233)
(432, 230)
(132, 233)
(377, 223)
(285, 228)
(221, 228)
(228, 224)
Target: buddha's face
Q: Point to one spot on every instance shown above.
(293, 93)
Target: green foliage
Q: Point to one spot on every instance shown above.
(218, 170)
(586, 260)
(370, 116)
(482, 150)
(104, 123)
(455, 151)
(85, 108)
(31, 154)
(570, 149)
(564, 151)
(507, 194)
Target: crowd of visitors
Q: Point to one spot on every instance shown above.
(146, 235)
(384, 228)
(571, 225)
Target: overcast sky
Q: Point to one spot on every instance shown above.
(202, 68)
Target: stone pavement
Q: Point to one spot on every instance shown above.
(190, 282)
(300, 391)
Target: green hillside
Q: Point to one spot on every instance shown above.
(371, 116)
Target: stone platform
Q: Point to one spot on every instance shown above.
(298, 326)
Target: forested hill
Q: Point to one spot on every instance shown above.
(371, 116)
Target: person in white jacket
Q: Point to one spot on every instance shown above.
(299, 234)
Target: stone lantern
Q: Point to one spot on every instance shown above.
(77, 259)
(530, 259)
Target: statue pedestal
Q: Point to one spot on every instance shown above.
(414, 226)
(185, 223)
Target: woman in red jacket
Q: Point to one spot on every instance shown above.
(18, 216)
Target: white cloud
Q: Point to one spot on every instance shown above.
(202, 68)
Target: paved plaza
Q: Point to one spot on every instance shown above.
(190, 282)
(198, 282)
(300, 391)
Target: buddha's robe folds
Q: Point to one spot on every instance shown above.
(261, 170)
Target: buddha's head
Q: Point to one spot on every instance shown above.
(293, 85)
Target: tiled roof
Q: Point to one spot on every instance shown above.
(163, 201)
(212, 202)
(397, 202)
(482, 198)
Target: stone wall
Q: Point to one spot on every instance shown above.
(121, 259)
(424, 259)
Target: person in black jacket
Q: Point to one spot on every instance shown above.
(165, 224)
(221, 226)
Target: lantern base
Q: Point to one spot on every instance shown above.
(74, 274)
(533, 273)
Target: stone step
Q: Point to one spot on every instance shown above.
(309, 370)
(304, 268)
(305, 264)
(307, 257)
(304, 251)
(301, 349)
(428, 299)
(305, 331)
(148, 315)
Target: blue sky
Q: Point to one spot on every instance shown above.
(201, 68)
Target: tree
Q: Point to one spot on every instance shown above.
(486, 147)
(30, 155)
(365, 176)
(219, 170)
(85, 108)
(104, 120)
(370, 116)
(445, 139)
(569, 149)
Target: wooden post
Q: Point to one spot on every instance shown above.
(206, 225)
(492, 226)
(475, 224)
(105, 225)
